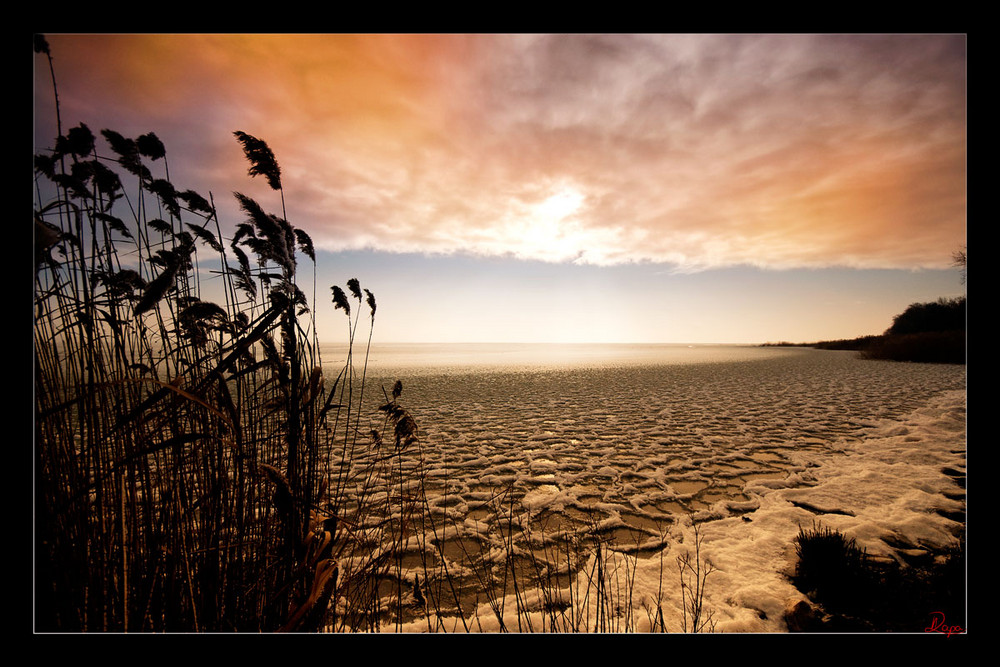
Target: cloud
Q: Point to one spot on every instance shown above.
(693, 150)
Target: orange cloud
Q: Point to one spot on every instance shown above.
(697, 150)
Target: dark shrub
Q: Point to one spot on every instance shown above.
(831, 568)
(947, 347)
(858, 592)
(935, 316)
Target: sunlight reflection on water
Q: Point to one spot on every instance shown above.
(470, 357)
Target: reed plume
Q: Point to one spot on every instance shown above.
(128, 154)
(262, 160)
(305, 244)
(371, 302)
(149, 145)
(340, 299)
(79, 141)
(355, 288)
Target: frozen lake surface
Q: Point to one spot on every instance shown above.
(632, 443)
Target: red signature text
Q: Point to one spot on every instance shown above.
(938, 624)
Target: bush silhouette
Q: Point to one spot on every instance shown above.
(932, 317)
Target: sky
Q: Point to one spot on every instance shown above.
(635, 188)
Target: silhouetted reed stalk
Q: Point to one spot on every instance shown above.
(196, 471)
(654, 607)
(532, 577)
(182, 427)
(694, 571)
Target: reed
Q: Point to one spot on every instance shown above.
(198, 468)
(185, 436)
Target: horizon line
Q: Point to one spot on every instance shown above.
(557, 343)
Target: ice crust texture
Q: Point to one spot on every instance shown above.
(752, 443)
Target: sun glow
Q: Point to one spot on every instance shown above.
(560, 205)
(547, 228)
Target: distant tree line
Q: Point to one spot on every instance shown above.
(932, 332)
